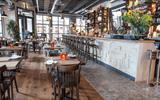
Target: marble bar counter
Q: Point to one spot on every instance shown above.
(128, 57)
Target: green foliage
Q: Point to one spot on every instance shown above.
(138, 20)
(13, 30)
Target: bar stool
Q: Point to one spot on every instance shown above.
(158, 68)
(153, 55)
(92, 50)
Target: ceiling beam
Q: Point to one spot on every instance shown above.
(37, 5)
(67, 2)
(50, 5)
(82, 3)
(90, 5)
(53, 7)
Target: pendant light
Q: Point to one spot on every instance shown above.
(3, 14)
(62, 16)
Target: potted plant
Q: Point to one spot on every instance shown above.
(139, 23)
(13, 30)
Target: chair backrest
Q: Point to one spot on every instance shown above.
(68, 68)
(2, 70)
(69, 75)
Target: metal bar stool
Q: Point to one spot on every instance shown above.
(153, 55)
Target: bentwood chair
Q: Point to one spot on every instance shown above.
(6, 84)
(68, 78)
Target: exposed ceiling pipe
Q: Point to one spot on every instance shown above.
(37, 5)
(59, 14)
(87, 7)
(54, 4)
(81, 4)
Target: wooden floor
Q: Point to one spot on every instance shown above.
(34, 84)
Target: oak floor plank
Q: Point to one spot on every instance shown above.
(34, 83)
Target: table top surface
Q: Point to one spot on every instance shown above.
(9, 48)
(56, 47)
(11, 64)
(69, 61)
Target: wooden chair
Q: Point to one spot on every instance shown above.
(68, 77)
(5, 85)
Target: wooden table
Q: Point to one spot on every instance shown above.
(54, 48)
(11, 64)
(16, 48)
(69, 61)
(49, 48)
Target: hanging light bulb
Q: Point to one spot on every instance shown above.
(88, 21)
(99, 18)
(62, 16)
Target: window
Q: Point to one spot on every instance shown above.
(60, 26)
(42, 24)
(29, 25)
(80, 25)
(0, 24)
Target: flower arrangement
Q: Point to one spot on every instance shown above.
(139, 21)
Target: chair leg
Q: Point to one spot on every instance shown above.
(12, 94)
(55, 92)
(15, 82)
(71, 92)
(59, 94)
(8, 91)
(77, 92)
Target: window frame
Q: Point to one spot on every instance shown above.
(1, 22)
(80, 25)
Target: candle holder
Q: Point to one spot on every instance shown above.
(11, 45)
(63, 56)
(52, 45)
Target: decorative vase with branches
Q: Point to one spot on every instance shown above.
(139, 22)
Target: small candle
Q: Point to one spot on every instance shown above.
(11, 46)
(63, 56)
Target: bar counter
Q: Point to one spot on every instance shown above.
(128, 57)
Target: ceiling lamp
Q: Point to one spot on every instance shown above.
(62, 16)
(3, 14)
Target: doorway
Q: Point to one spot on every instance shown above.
(26, 23)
